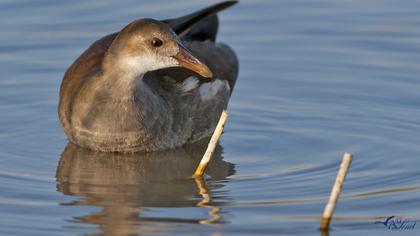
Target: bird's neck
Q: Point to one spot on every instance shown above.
(131, 89)
(120, 75)
(120, 84)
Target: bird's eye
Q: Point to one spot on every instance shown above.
(156, 42)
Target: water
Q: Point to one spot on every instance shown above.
(317, 78)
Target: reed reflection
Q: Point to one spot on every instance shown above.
(125, 185)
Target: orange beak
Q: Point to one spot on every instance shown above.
(188, 61)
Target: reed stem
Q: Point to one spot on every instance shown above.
(335, 192)
(212, 145)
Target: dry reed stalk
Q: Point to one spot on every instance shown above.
(335, 192)
(212, 145)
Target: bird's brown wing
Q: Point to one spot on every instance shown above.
(85, 66)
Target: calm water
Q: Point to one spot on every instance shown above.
(317, 78)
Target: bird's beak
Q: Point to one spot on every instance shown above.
(188, 61)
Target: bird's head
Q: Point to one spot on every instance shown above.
(147, 45)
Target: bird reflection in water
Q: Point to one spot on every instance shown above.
(125, 185)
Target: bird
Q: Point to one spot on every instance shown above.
(152, 86)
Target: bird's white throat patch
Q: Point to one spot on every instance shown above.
(143, 64)
(135, 65)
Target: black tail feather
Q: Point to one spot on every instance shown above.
(182, 25)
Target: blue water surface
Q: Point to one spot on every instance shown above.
(317, 78)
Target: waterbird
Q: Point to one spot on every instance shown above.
(152, 86)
